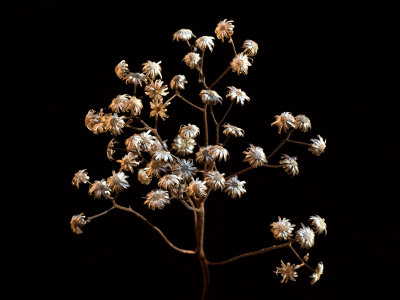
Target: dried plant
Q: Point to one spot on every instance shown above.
(187, 171)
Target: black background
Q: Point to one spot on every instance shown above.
(329, 60)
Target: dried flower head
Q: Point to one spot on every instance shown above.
(80, 177)
(284, 121)
(289, 164)
(163, 156)
(183, 146)
(224, 29)
(255, 156)
(117, 182)
(122, 69)
(240, 64)
(169, 181)
(210, 97)
(302, 123)
(128, 162)
(234, 187)
(134, 106)
(232, 130)
(157, 199)
(156, 90)
(192, 60)
(115, 124)
(152, 69)
(287, 271)
(197, 188)
(318, 224)
(184, 168)
(189, 131)
(282, 229)
(77, 222)
(305, 237)
(100, 189)
(143, 176)
(178, 82)
(118, 104)
(238, 95)
(205, 42)
(318, 146)
(204, 155)
(159, 109)
(155, 168)
(250, 47)
(183, 35)
(96, 122)
(135, 78)
(218, 152)
(110, 148)
(215, 180)
(318, 272)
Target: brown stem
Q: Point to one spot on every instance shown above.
(200, 250)
(134, 90)
(299, 257)
(299, 143)
(251, 168)
(205, 125)
(226, 140)
(100, 214)
(233, 45)
(226, 113)
(188, 102)
(220, 77)
(281, 143)
(216, 125)
(202, 78)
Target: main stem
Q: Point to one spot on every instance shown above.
(200, 250)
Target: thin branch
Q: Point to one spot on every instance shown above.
(226, 140)
(233, 44)
(299, 143)
(226, 113)
(188, 102)
(216, 125)
(136, 128)
(220, 77)
(169, 100)
(281, 143)
(274, 247)
(205, 125)
(299, 257)
(188, 206)
(100, 214)
(251, 168)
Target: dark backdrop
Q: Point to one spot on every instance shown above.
(329, 60)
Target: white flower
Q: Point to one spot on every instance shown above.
(118, 104)
(302, 123)
(169, 181)
(234, 187)
(128, 162)
(135, 78)
(115, 124)
(232, 130)
(204, 155)
(289, 164)
(152, 69)
(197, 188)
(100, 188)
(284, 121)
(162, 155)
(121, 69)
(218, 152)
(238, 95)
(318, 224)
(205, 42)
(156, 90)
(157, 199)
(255, 156)
(250, 47)
(215, 180)
(134, 105)
(240, 64)
(78, 221)
(183, 146)
(117, 182)
(178, 82)
(318, 146)
(211, 97)
(80, 177)
(318, 272)
(184, 168)
(192, 60)
(282, 230)
(305, 237)
(143, 176)
(224, 29)
(189, 131)
(155, 168)
(140, 142)
(183, 35)
(287, 271)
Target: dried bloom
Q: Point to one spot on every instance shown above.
(232, 130)
(215, 180)
(110, 149)
(152, 69)
(204, 155)
(159, 108)
(143, 176)
(134, 106)
(96, 123)
(197, 188)
(218, 152)
(135, 78)
(255, 156)
(318, 146)
(122, 69)
(183, 146)
(234, 187)
(237, 94)
(115, 124)
(162, 155)
(178, 82)
(289, 164)
(117, 182)
(318, 224)
(128, 162)
(302, 123)
(189, 131)
(157, 199)
(240, 64)
(183, 35)
(211, 97)
(205, 42)
(80, 177)
(250, 47)
(118, 104)
(282, 230)
(169, 181)
(192, 60)
(77, 222)
(287, 271)
(100, 188)
(224, 29)
(305, 237)
(284, 121)
(317, 274)
(155, 168)
(156, 90)
(184, 168)
(158, 146)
